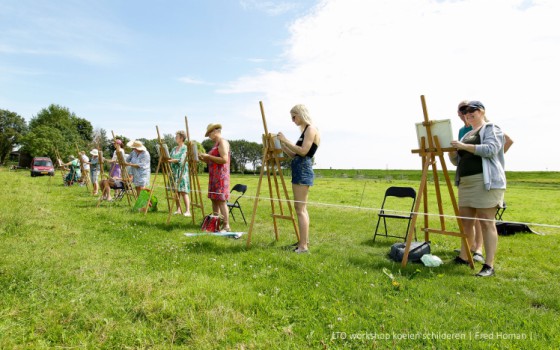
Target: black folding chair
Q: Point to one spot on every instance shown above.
(240, 189)
(393, 213)
(500, 212)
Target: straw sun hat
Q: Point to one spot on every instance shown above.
(211, 127)
(94, 152)
(136, 145)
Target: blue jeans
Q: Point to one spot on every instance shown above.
(302, 171)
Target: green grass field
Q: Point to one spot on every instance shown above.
(74, 276)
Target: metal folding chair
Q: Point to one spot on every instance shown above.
(500, 212)
(395, 213)
(240, 189)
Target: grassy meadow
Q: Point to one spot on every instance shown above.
(73, 276)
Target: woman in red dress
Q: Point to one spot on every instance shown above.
(218, 161)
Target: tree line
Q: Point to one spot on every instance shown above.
(57, 129)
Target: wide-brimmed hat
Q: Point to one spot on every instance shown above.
(136, 145)
(94, 152)
(71, 157)
(211, 127)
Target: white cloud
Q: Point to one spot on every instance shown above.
(192, 81)
(361, 65)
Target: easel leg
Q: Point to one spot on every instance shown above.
(256, 203)
(268, 174)
(423, 181)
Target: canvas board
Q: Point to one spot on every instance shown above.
(441, 128)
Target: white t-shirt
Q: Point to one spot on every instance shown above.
(84, 160)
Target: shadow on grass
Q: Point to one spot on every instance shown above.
(378, 243)
(205, 245)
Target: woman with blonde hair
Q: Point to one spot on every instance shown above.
(180, 171)
(302, 153)
(481, 179)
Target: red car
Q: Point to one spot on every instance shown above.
(42, 166)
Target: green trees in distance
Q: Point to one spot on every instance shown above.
(12, 129)
(242, 153)
(56, 127)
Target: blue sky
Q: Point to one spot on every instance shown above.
(359, 65)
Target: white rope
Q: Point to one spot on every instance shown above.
(396, 212)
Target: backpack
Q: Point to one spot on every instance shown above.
(510, 228)
(211, 223)
(417, 250)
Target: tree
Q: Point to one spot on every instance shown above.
(57, 127)
(12, 129)
(240, 150)
(100, 140)
(254, 155)
(42, 140)
(207, 144)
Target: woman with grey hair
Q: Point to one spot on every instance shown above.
(180, 172)
(302, 153)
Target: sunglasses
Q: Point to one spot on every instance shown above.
(293, 117)
(467, 109)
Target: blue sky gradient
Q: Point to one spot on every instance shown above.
(359, 65)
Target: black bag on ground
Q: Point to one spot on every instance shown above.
(510, 228)
(417, 250)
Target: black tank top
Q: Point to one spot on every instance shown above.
(313, 148)
(470, 164)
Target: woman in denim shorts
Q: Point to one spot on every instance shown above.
(302, 153)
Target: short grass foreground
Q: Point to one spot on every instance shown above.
(76, 276)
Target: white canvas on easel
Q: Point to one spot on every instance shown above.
(440, 128)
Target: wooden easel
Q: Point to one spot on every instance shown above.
(60, 165)
(171, 194)
(84, 176)
(271, 162)
(101, 162)
(429, 150)
(129, 189)
(192, 160)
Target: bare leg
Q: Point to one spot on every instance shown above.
(300, 197)
(222, 205)
(187, 203)
(489, 232)
(106, 189)
(468, 227)
(478, 240)
(215, 207)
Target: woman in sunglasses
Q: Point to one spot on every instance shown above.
(481, 179)
(302, 153)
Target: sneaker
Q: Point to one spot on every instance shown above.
(460, 261)
(301, 251)
(478, 258)
(486, 271)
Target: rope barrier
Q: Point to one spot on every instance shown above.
(340, 206)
